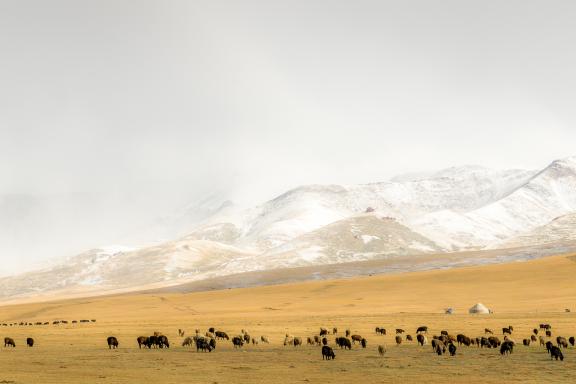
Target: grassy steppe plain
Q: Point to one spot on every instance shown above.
(521, 294)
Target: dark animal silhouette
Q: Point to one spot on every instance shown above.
(452, 349)
(221, 335)
(30, 342)
(507, 348)
(343, 342)
(572, 341)
(422, 329)
(421, 339)
(238, 342)
(142, 341)
(328, 353)
(363, 343)
(112, 342)
(9, 342)
(556, 353)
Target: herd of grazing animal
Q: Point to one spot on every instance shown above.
(441, 344)
(44, 323)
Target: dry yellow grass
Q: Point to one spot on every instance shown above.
(522, 294)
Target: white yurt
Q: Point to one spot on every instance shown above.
(479, 308)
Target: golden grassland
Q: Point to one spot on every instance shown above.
(521, 294)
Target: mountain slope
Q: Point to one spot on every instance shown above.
(549, 194)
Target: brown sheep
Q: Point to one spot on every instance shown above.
(409, 338)
(562, 342)
(142, 341)
(421, 339)
(188, 342)
(533, 338)
(356, 338)
(381, 350)
(264, 339)
(399, 331)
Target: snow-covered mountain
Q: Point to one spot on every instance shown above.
(460, 208)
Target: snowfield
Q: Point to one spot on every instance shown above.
(460, 208)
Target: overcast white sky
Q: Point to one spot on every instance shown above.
(115, 112)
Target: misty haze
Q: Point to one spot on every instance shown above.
(281, 173)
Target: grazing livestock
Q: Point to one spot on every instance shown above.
(203, 345)
(221, 335)
(334, 330)
(310, 341)
(549, 346)
(381, 350)
(494, 341)
(317, 340)
(30, 342)
(211, 330)
(324, 341)
(247, 338)
(356, 338)
(440, 348)
(533, 338)
(548, 333)
(297, 341)
(422, 329)
(112, 342)
(380, 331)
(422, 340)
(462, 339)
(572, 341)
(187, 342)
(263, 339)
(323, 332)
(9, 342)
(162, 342)
(398, 340)
(343, 342)
(506, 331)
(347, 333)
(556, 353)
(535, 331)
(506, 348)
(363, 343)
(542, 341)
(181, 332)
(239, 342)
(452, 349)
(488, 330)
(526, 342)
(328, 353)
(399, 331)
(142, 341)
(409, 338)
(562, 342)
(254, 341)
